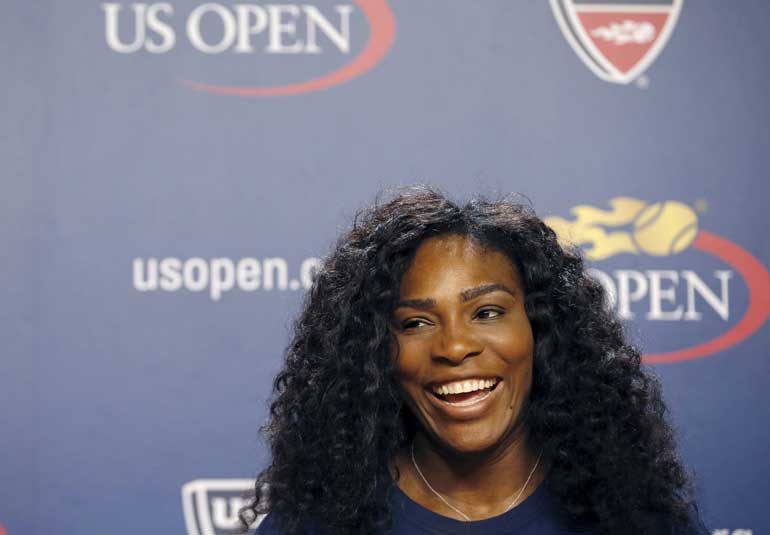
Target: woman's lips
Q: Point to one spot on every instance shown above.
(466, 398)
(465, 406)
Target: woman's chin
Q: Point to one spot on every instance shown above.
(468, 442)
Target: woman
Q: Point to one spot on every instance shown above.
(455, 370)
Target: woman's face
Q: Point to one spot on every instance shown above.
(465, 343)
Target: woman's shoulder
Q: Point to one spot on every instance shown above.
(267, 526)
(547, 517)
(270, 525)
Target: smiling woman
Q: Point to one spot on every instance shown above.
(472, 329)
(455, 370)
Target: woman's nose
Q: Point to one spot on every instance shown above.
(456, 342)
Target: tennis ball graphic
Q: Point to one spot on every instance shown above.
(665, 228)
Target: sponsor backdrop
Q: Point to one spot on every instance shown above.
(174, 170)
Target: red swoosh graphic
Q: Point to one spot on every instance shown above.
(757, 279)
(382, 32)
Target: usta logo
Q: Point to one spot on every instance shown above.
(211, 506)
(617, 39)
(246, 29)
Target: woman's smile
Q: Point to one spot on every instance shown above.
(466, 405)
(465, 344)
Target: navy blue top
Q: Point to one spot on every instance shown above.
(539, 514)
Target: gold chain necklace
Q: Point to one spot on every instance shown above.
(466, 517)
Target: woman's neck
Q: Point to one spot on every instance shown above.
(480, 484)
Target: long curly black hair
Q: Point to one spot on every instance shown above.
(337, 419)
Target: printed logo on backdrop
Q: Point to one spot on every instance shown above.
(220, 275)
(669, 271)
(254, 49)
(618, 40)
(211, 506)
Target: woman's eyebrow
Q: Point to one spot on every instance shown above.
(472, 293)
(465, 295)
(419, 304)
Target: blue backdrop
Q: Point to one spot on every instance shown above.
(174, 169)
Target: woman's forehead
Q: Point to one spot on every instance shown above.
(455, 260)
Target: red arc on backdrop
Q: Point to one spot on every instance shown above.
(382, 31)
(758, 281)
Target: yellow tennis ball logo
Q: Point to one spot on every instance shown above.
(664, 228)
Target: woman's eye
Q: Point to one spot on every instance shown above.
(414, 324)
(488, 313)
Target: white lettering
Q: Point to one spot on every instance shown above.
(720, 305)
(145, 17)
(248, 274)
(192, 281)
(245, 28)
(228, 28)
(224, 512)
(625, 295)
(111, 13)
(149, 281)
(164, 31)
(340, 38)
(661, 286)
(170, 274)
(149, 28)
(222, 277)
(220, 274)
(269, 266)
(658, 294)
(278, 29)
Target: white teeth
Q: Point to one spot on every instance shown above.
(461, 387)
(471, 401)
